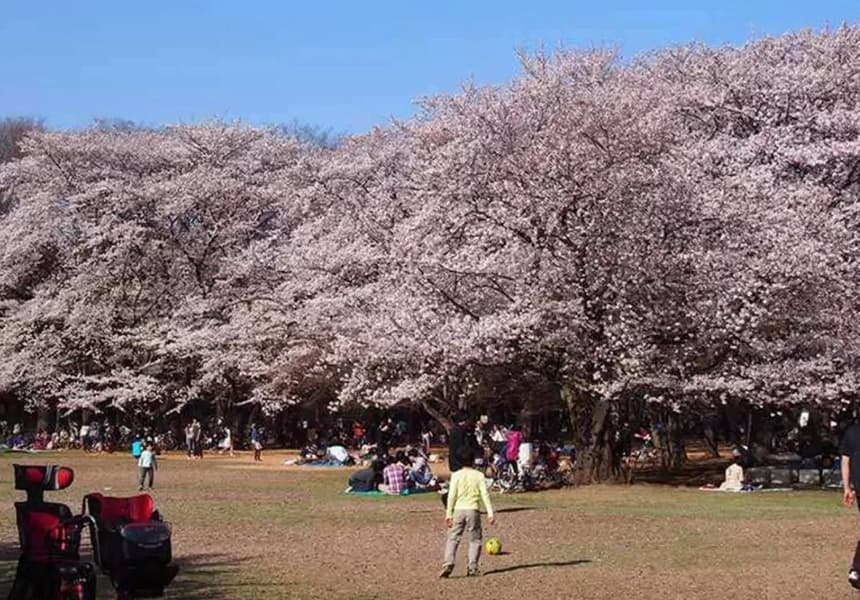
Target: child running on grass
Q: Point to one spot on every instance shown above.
(146, 466)
(468, 489)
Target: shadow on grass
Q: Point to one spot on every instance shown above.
(568, 563)
(507, 509)
(208, 575)
(201, 577)
(9, 553)
(513, 509)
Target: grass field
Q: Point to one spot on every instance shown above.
(267, 531)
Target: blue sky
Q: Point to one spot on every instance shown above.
(344, 65)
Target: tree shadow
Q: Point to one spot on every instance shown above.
(568, 563)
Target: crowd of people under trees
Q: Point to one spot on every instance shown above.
(809, 435)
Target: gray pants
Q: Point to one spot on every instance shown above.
(144, 473)
(464, 520)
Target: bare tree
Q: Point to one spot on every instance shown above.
(12, 131)
(313, 136)
(118, 125)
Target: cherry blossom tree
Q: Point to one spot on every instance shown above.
(114, 237)
(677, 231)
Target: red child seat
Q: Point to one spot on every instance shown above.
(50, 477)
(134, 543)
(113, 512)
(50, 538)
(45, 532)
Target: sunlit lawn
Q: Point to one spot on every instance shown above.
(267, 531)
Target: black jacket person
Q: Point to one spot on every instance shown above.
(461, 443)
(850, 451)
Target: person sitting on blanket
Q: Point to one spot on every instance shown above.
(17, 441)
(419, 474)
(312, 452)
(394, 476)
(338, 454)
(734, 477)
(366, 480)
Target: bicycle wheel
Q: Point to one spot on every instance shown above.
(506, 479)
(552, 480)
(530, 482)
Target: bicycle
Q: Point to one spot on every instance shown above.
(644, 454)
(507, 477)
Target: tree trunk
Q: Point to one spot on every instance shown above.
(526, 418)
(43, 419)
(219, 408)
(676, 442)
(712, 442)
(236, 428)
(710, 420)
(598, 459)
(441, 417)
(572, 399)
(748, 436)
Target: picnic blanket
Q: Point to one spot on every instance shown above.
(317, 463)
(380, 494)
(745, 490)
(4, 449)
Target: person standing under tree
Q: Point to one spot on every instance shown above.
(227, 444)
(850, 451)
(461, 443)
(85, 436)
(136, 448)
(383, 437)
(512, 449)
(256, 444)
(196, 434)
(189, 440)
(426, 438)
(146, 466)
(461, 446)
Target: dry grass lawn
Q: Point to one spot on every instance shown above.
(244, 531)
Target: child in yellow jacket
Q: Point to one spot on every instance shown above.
(467, 490)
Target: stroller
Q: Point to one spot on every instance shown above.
(134, 544)
(50, 566)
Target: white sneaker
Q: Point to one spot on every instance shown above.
(854, 579)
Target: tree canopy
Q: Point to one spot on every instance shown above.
(682, 226)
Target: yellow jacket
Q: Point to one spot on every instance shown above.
(468, 489)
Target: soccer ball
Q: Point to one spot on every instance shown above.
(493, 546)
